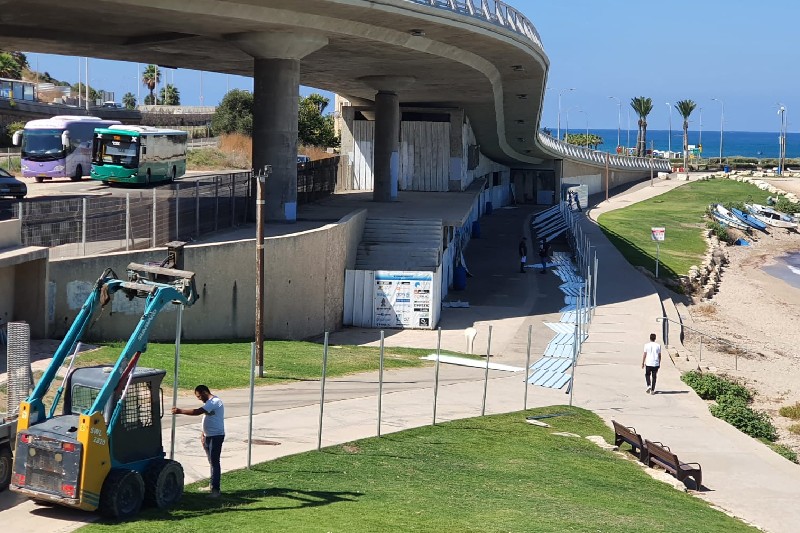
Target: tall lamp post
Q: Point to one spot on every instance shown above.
(669, 140)
(566, 132)
(782, 140)
(619, 118)
(587, 126)
(721, 127)
(560, 92)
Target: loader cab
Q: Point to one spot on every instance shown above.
(137, 435)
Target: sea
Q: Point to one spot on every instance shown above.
(758, 144)
(787, 268)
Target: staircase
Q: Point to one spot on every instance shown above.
(400, 244)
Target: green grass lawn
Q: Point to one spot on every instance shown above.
(225, 365)
(681, 211)
(488, 474)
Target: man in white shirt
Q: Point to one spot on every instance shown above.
(213, 434)
(651, 361)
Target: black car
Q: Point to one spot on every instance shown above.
(11, 186)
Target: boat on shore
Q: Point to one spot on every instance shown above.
(772, 217)
(749, 219)
(724, 217)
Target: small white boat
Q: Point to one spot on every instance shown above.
(771, 217)
(725, 217)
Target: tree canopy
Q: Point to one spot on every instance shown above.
(169, 95)
(129, 101)
(234, 114)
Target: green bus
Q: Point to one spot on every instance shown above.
(138, 154)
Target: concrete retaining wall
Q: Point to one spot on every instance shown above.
(575, 172)
(308, 295)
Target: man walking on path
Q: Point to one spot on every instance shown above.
(213, 434)
(523, 254)
(651, 361)
(544, 251)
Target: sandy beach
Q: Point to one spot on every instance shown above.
(759, 313)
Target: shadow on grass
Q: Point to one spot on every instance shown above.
(636, 256)
(196, 505)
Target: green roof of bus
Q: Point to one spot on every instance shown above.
(135, 133)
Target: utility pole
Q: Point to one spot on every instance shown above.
(261, 179)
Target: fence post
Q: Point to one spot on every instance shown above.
(436, 373)
(197, 209)
(177, 210)
(127, 221)
(665, 330)
(232, 179)
(155, 203)
(321, 388)
(486, 373)
(527, 367)
(380, 385)
(83, 226)
(216, 203)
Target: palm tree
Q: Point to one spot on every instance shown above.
(170, 95)
(150, 79)
(129, 101)
(642, 106)
(685, 108)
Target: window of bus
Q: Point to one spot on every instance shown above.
(42, 145)
(118, 150)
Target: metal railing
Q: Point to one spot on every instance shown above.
(492, 11)
(617, 162)
(737, 348)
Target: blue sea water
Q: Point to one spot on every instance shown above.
(786, 268)
(741, 143)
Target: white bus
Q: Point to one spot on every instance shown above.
(58, 147)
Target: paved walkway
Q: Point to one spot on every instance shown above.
(741, 475)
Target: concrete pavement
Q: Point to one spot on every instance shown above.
(609, 381)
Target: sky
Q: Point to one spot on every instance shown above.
(735, 51)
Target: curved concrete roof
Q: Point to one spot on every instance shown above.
(495, 73)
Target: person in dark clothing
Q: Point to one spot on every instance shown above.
(577, 201)
(523, 254)
(544, 251)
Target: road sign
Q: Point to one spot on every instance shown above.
(657, 234)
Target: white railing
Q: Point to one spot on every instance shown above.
(493, 11)
(560, 148)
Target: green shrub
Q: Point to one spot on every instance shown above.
(791, 411)
(783, 204)
(754, 423)
(784, 451)
(719, 230)
(795, 428)
(711, 386)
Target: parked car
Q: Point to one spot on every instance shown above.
(11, 186)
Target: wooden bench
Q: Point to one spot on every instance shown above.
(661, 455)
(629, 435)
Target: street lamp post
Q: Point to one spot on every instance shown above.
(782, 140)
(560, 92)
(628, 142)
(619, 118)
(587, 126)
(566, 132)
(669, 140)
(721, 127)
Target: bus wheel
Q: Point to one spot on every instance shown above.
(78, 173)
(173, 175)
(39, 179)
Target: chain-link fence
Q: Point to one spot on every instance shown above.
(146, 218)
(140, 219)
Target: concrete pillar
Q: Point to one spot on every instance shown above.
(458, 162)
(386, 166)
(276, 89)
(387, 146)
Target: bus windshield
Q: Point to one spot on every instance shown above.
(121, 150)
(42, 145)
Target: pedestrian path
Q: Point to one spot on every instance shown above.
(742, 475)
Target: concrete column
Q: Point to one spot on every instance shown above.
(458, 162)
(386, 166)
(276, 88)
(387, 146)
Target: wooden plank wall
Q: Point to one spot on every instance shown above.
(424, 156)
(364, 155)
